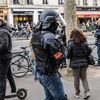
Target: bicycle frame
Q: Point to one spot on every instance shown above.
(21, 63)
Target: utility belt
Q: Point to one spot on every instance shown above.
(43, 68)
(52, 74)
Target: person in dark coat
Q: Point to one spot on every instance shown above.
(78, 52)
(9, 73)
(5, 55)
(97, 35)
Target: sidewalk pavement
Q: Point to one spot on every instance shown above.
(92, 71)
(35, 90)
(93, 74)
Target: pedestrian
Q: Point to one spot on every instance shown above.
(32, 56)
(78, 52)
(5, 55)
(97, 35)
(48, 55)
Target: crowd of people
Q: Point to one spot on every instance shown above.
(87, 24)
(49, 54)
(22, 30)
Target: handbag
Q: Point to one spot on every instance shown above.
(91, 60)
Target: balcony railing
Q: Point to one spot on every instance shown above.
(3, 3)
(21, 2)
(85, 4)
(95, 4)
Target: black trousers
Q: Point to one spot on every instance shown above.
(4, 65)
(11, 80)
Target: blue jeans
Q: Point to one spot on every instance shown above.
(34, 70)
(98, 52)
(53, 87)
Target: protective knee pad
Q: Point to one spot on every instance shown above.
(65, 97)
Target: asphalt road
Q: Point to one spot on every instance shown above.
(35, 90)
(17, 43)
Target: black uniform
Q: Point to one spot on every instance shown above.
(49, 55)
(46, 48)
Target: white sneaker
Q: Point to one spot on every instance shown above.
(77, 96)
(87, 95)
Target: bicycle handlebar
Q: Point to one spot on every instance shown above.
(24, 47)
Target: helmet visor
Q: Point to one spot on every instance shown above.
(61, 20)
(50, 19)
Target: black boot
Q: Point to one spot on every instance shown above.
(65, 97)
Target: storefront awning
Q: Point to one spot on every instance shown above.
(87, 15)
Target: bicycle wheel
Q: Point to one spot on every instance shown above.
(19, 65)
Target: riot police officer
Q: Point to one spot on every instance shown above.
(49, 55)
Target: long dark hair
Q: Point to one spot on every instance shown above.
(77, 36)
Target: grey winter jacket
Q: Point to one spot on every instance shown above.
(5, 42)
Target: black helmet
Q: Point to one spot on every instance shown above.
(47, 17)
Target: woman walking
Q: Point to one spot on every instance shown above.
(78, 53)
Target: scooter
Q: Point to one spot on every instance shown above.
(21, 94)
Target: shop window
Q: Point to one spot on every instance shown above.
(22, 1)
(39, 12)
(45, 1)
(60, 1)
(95, 2)
(15, 1)
(29, 2)
(78, 2)
(85, 2)
(1, 16)
(1, 11)
(5, 17)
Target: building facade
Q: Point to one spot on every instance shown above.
(3, 9)
(21, 11)
(88, 11)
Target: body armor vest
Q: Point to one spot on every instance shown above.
(41, 55)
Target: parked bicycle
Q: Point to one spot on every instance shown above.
(21, 63)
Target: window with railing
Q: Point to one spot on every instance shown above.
(60, 1)
(78, 2)
(95, 2)
(45, 1)
(15, 1)
(29, 1)
(85, 2)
